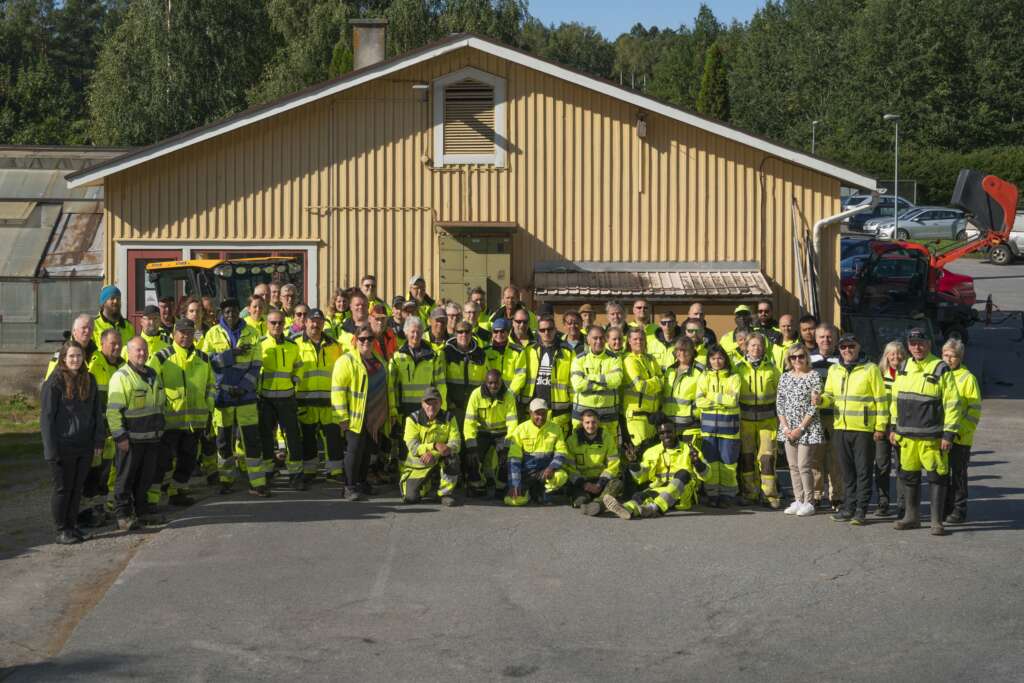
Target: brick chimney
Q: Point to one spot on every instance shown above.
(367, 41)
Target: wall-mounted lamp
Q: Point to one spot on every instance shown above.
(421, 91)
(641, 126)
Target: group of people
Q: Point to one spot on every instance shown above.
(635, 417)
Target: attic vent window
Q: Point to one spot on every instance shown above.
(469, 119)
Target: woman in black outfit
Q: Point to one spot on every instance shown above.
(73, 428)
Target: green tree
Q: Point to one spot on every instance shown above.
(713, 99)
(580, 47)
(171, 66)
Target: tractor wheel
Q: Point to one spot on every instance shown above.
(1000, 255)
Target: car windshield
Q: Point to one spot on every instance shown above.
(910, 214)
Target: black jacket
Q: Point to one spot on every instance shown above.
(70, 424)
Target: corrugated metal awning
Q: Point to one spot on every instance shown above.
(719, 280)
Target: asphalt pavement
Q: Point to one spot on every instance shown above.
(306, 587)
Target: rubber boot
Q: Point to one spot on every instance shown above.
(938, 500)
(912, 512)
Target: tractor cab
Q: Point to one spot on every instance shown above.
(222, 278)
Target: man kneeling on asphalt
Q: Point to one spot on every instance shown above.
(593, 463)
(432, 437)
(537, 459)
(671, 469)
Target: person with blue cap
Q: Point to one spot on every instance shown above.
(110, 317)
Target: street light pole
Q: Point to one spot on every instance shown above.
(895, 118)
(814, 125)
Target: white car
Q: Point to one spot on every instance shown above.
(920, 223)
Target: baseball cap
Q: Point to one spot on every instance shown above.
(742, 308)
(917, 334)
(431, 394)
(586, 308)
(500, 324)
(229, 302)
(315, 314)
(438, 314)
(151, 311)
(538, 404)
(184, 325)
(398, 302)
(849, 338)
(463, 326)
(416, 278)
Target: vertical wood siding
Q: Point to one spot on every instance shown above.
(354, 173)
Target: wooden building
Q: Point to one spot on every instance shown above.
(474, 163)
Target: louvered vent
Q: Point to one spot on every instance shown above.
(469, 118)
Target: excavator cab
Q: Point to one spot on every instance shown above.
(222, 278)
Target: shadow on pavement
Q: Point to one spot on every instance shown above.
(68, 668)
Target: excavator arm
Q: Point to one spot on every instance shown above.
(991, 204)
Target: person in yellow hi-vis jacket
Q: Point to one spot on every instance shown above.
(718, 399)
(490, 418)
(925, 409)
(854, 388)
(759, 425)
(679, 392)
(596, 377)
(280, 373)
(318, 420)
(135, 415)
(970, 415)
(641, 387)
(594, 465)
(670, 470)
(537, 458)
(432, 439)
(189, 386)
(233, 348)
(362, 402)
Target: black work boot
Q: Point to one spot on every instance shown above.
(938, 500)
(912, 511)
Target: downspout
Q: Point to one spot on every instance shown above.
(816, 240)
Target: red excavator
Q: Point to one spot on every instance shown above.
(903, 283)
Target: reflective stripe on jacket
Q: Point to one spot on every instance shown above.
(641, 386)
(524, 385)
(491, 415)
(281, 367)
(533, 448)
(593, 457)
(318, 361)
(410, 375)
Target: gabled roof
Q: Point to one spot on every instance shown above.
(450, 44)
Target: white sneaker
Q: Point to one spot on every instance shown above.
(793, 508)
(806, 510)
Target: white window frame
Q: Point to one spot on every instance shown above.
(312, 296)
(498, 84)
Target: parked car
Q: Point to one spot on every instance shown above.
(884, 209)
(853, 246)
(1005, 254)
(920, 223)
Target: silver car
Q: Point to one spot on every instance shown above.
(921, 222)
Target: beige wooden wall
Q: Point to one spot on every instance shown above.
(354, 173)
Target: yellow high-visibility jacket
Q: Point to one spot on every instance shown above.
(189, 386)
(858, 397)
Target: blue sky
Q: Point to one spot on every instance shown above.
(613, 17)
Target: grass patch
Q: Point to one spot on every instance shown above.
(21, 446)
(942, 245)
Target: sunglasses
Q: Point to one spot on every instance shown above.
(364, 340)
(665, 322)
(545, 329)
(798, 356)
(275, 322)
(691, 330)
(461, 331)
(519, 322)
(847, 346)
